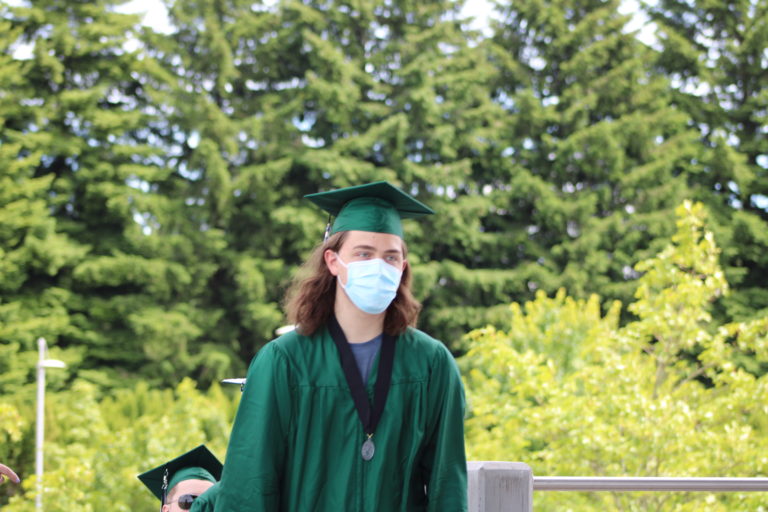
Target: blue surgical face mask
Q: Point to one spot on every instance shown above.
(371, 284)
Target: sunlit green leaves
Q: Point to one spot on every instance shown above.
(95, 447)
(571, 392)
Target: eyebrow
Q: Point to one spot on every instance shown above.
(371, 248)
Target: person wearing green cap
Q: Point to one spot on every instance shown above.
(356, 409)
(186, 482)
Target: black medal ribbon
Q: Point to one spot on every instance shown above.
(369, 414)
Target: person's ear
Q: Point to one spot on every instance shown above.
(331, 261)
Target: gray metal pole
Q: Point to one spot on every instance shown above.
(499, 486)
(40, 425)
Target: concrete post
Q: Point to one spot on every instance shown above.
(499, 486)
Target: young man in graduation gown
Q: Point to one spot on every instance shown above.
(188, 482)
(355, 410)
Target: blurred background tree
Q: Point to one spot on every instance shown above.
(98, 445)
(715, 57)
(151, 182)
(585, 396)
(171, 166)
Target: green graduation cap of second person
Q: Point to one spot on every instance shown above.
(194, 473)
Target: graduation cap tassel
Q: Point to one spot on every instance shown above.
(164, 488)
(327, 229)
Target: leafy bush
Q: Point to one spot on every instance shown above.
(569, 392)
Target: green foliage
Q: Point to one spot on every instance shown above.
(12, 426)
(717, 65)
(160, 175)
(96, 446)
(594, 156)
(661, 396)
(151, 184)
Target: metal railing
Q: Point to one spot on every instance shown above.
(509, 486)
(584, 483)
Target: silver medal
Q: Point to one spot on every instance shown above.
(368, 449)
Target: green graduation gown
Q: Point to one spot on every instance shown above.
(296, 440)
(206, 502)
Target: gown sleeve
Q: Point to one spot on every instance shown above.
(206, 501)
(444, 461)
(254, 464)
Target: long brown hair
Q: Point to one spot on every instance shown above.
(311, 297)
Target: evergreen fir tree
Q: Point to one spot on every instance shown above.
(34, 253)
(715, 55)
(595, 156)
(117, 292)
(318, 96)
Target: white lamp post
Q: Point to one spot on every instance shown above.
(42, 364)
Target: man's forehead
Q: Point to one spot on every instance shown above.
(192, 486)
(375, 241)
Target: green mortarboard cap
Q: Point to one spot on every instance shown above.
(376, 207)
(198, 464)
